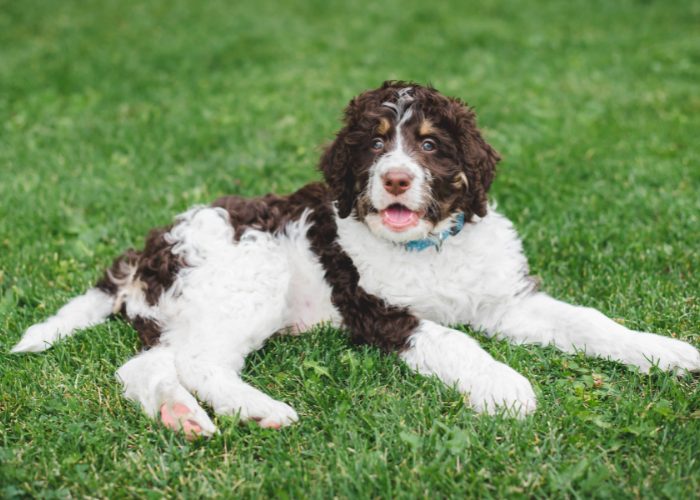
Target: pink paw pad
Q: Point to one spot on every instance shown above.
(173, 417)
(268, 424)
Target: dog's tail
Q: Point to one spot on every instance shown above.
(90, 309)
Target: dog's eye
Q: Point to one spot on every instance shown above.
(377, 144)
(428, 145)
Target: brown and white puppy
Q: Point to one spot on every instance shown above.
(398, 243)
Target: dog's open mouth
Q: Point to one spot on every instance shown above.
(398, 218)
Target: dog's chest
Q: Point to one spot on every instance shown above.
(451, 285)
(429, 283)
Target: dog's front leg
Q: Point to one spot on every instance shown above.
(540, 319)
(427, 347)
(431, 349)
(458, 360)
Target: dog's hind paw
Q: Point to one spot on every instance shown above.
(192, 422)
(38, 338)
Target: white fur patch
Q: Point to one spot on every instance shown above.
(81, 312)
(458, 360)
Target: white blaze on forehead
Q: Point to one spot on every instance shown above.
(402, 106)
(399, 155)
(403, 110)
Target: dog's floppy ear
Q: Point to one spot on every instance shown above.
(338, 159)
(337, 171)
(479, 159)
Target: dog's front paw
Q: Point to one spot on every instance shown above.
(648, 349)
(498, 389)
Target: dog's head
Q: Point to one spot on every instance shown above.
(407, 160)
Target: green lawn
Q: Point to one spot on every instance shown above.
(115, 115)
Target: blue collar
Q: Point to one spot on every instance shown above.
(436, 240)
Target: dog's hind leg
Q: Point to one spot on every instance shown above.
(211, 355)
(151, 380)
(219, 384)
(230, 299)
(210, 361)
(83, 311)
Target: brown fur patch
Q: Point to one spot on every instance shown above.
(384, 126)
(426, 128)
(149, 331)
(152, 270)
(460, 181)
(369, 319)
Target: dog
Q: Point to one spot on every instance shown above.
(397, 244)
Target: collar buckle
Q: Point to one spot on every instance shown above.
(438, 239)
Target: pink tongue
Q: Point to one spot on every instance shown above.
(398, 215)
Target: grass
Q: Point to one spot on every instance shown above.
(110, 105)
